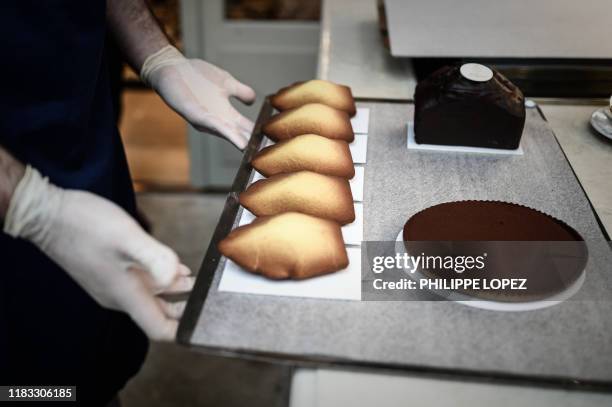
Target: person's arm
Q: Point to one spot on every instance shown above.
(195, 89)
(11, 172)
(136, 30)
(97, 243)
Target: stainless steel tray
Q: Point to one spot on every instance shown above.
(566, 345)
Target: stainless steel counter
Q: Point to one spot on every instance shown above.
(589, 153)
(351, 53)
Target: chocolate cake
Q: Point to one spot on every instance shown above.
(519, 242)
(471, 105)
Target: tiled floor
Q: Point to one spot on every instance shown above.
(173, 375)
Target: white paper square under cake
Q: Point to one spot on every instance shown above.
(359, 148)
(361, 120)
(256, 177)
(357, 184)
(353, 232)
(266, 142)
(413, 145)
(344, 284)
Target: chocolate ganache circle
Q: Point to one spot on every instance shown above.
(517, 242)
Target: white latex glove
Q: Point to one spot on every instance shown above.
(103, 249)
(200, 92)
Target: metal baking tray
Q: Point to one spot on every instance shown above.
(399, 335)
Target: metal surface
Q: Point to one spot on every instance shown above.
(588, 153)
(231, 310)
(500, 29)
(351, 52)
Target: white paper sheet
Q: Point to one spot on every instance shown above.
(361, 120)
(359, 148)
(344, 284)
(413, 145)
(357, 183)
(266, 142)
(351, 233)
(246, 217)
(256, 177)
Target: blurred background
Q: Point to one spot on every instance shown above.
(265, 43)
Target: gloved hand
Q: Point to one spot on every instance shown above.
(200, 92)
(103, 249)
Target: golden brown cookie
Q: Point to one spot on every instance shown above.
(315, 91)
(313, 118)
(305, 192)
(289, 245)
(306, 152)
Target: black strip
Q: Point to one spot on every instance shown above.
(204, 280)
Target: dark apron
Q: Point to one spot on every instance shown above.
(56, 114)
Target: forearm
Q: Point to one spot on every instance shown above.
(135, 29)
(11, 172)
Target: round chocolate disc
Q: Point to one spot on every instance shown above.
(476, 72)
(514, 242)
